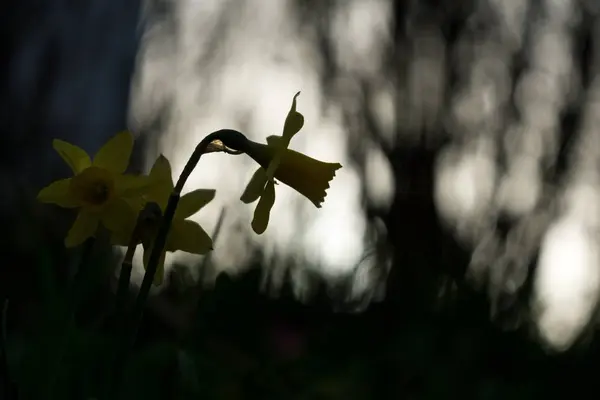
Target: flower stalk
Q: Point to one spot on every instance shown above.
(157, 249)
(164, 227)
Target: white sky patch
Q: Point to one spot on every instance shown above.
(361, 29)
(335, 238)
(521, 188)
(379, 179)
(464, 186)
(567, 281)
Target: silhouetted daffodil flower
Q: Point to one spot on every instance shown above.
(306, 175)
(185, 235)
(98, 188)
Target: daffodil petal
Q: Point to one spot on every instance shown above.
(189, 236)
(190, 203)
(161, 170)
(161, 182)
(255, 187)
(58, 193)
(132, 185)
(119, 216)
(159, 276)
(84, 227)
(136, 203)
(293, 122)
(263, 209)
(114, 155)
(75, 157)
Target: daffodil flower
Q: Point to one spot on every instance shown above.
(98, 188)
(306, 175)
(184, 235)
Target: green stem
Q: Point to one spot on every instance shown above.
(147, 214)
(157, 249)
(122, 291)
(77, 290)
(120, 308)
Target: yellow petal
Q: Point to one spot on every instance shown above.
(75, 157)
(58, 193)
(114, 155)
(160, 268)
(84, 227)
(136, 203)
(255, 187)
(162, 182)
(190, 203)
(119, 216)
(132, 185)
(161, 170)
(189, 236)
(293, 122)
(263, 209)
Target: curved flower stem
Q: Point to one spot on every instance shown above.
(77, 290)
(157, 249)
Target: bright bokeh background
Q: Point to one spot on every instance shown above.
(462, 226)
(206, 65)
(243, 75)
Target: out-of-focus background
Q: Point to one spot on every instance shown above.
(456, 254)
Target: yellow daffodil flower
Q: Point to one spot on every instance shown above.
(306, 175)
(98, 188)
(184, 235)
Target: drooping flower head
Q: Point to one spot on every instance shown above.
(306, 175)
(99, 188)
(184, 234)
